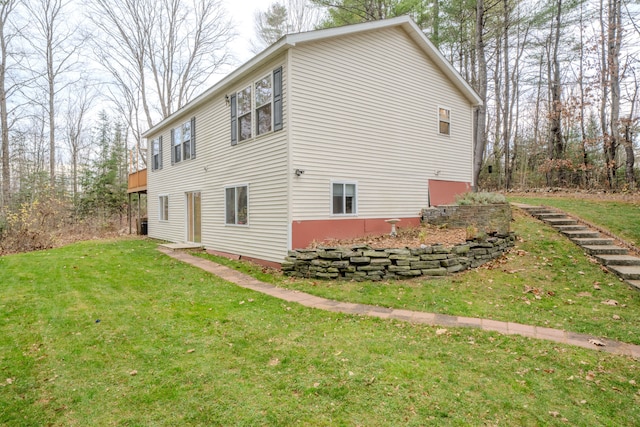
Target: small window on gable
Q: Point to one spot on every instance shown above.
(343, 198)
(236, 205)
(163, 208)
(183, 141)
(444, 121)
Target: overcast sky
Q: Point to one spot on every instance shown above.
(241, 13)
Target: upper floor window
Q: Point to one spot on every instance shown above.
(257, 109)
(444, 121)
(343, 198)
(263, 100)
(156, 153)
(183, 141)
(244, 113)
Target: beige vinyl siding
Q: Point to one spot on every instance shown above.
(365, 109)
(261, 163)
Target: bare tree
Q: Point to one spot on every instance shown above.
(75, 115)
(52, 41)
(628, 124)
(480, 139)
(279, 19)
(556, 140)
(8, 34)
(160, 53)
(614, 41)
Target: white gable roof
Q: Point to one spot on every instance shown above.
(291, 40)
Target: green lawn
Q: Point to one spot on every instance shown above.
(116, 333)
(621, 218)
(545, 280)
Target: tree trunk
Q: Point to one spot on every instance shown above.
(583, 131)
(614, 36)
(506, 132)
(5, 10)
(557, 140)
(481, 112)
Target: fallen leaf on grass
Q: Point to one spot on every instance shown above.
(616, 317)
(274, 362)
(590, 376)
(610, 302)
(133, 373)
(191, 350)
(597, 342)
(441, 331)
(9, 380)
(554, 414)
(584, 294)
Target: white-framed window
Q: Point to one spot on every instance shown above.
(244, 114)
(444, 121)
(183, 141)
(344, 196)
(263, 102)
(156, 153)
(257, 109)
(237, 205)
(163, 208)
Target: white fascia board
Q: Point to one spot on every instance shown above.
(217, 89)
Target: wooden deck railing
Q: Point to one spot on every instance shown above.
(137, 181)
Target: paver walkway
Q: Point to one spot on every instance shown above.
(509, 328)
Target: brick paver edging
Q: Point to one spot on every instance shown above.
(433, 319)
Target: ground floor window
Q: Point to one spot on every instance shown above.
(343, 198)
(236, 203)
(163, 208)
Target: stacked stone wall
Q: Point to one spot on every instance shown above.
(493, 218)
(366, 263)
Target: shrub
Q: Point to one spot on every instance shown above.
(480, 199)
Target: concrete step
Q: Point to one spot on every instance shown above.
(627, 272)
(605, 250)
(531, 209)
(588, 241)
(618, 260)
(634, 283)
(581, 234)
(548, 215)
(576, 227)
(560, 221)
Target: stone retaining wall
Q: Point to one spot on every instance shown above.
(365, 263)
(493, 218)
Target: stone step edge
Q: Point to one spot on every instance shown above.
(591, 251)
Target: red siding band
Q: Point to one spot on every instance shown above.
(445, 192)
(305, 232)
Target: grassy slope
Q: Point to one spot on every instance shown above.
(621, 218)
(259, 361)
